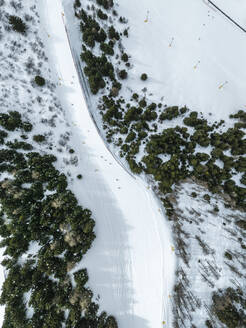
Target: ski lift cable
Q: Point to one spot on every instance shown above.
(227, 16)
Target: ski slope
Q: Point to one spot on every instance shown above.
(192, 54)
(131, 264)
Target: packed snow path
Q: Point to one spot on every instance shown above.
(131, 263)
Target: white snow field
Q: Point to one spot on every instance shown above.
(192, 54)
(131, 264)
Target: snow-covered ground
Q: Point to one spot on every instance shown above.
(131, 264)
(235, 9)
(208, 236)
(192, 54)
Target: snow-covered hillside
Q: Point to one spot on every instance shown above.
(131, 264)
(192, 54)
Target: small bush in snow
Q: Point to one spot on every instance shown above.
(123, 74)
(124, 57)
(39, 80)
(144, 77)
(107, 4)
(102, 15)
(39, 138)
(17, 24)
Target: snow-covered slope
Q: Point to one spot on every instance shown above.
(131, 265)
(235, 9)
(211, 253)
(192, 54)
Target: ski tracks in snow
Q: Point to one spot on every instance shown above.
(131, 265)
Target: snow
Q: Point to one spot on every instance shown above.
(192, 54)
(131, 264)
(235, 9)
(208, 269)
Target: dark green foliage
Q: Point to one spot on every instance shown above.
(240, 164)
(144, 77)
(169, 142)
(170, 113)
(201, 138)
(229, 306)
(241, 224)
(194, 121)
(131, 136)
(243, 179)
(136, 168)
(62, 229)
(113, 34)
(79, 176)
(142, 103)
(77, 3)
(91, 30)
(132, 114)
(81, 277)
(150, 114)
(125, 33)
(97, 68)
(19, 145)
(107, 48)
(228, 256)
(124, 57)
(12, 121)
(102, 15)
(207, 197)
(112, 112)
(208, 324)
(3, 135)
(39, 80)
(168, 206)
(17, 24)
(240, 115)
(39, 138)
(123, 74)
(107, 4)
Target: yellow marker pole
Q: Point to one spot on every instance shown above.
(195, 67)
(147, 17)
(223, 84)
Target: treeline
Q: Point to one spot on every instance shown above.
(44, 231)
(38, 209)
